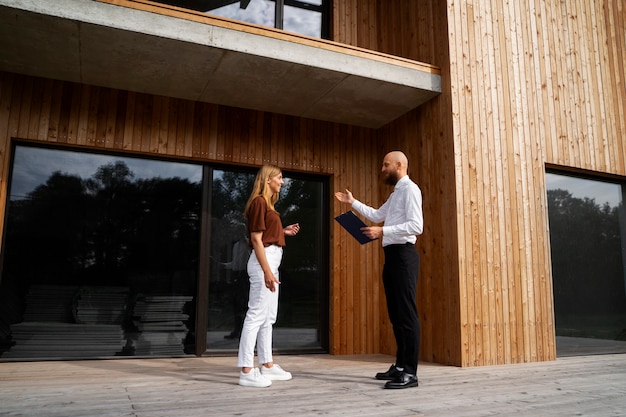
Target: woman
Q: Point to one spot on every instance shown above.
(267, 238)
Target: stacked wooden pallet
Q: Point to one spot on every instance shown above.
(70, 321)
(161, 324)
(65, 340)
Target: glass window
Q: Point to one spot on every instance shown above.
(306, 17)
(302, 21)
(588, 250)
(301, 311)
(260, 12)
(100, 256)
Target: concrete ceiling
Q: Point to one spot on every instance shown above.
(101, 44)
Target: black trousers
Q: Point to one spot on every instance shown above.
(400, 280)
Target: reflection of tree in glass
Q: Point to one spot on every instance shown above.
(99, 230)
(300, 202)
(588, 272)
(230, 194)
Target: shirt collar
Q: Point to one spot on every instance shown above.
(402, 182)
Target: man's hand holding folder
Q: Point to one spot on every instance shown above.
(354, 226)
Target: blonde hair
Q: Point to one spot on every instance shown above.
(260, 187)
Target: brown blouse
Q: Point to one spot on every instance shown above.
(262, 219)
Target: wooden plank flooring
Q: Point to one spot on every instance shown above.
(323, 385)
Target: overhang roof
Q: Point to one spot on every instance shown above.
(170, 52)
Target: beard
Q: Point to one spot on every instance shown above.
(392, 178)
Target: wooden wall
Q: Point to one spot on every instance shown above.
(525, 84)
(532, 83)
(417, 30)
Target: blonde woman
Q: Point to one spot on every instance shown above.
(267, 238)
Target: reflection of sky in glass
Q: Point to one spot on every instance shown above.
(33, 166)
(602, 192)
(261, 12)
(304, 22)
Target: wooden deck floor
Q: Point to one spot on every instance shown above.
(323, 385)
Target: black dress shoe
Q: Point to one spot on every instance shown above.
(403, 381)
(390, 374)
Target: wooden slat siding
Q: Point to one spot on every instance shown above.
(360, 279)
(110, 118)
(343, 177)
(365, 282)
(600, 120)
(354, 264)
(129, 122)
(101, 122)
(337, 251)
(490, 294)
(536, 181)
(171, 134)
(73, 122)
(455, 253)
(6, 93)
(35, 111)
(214, 149)
(367, 275)
(588, 73)
(298, 145)
(533, 180)
(508, 279)
(26, 102)
(495, 235)
(545, 328)
(598, 60)
(519, 243)
(615, 25)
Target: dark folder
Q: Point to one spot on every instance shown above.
(353, 224)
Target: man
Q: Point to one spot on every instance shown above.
(402, 220)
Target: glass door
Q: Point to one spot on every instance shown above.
(302, 310)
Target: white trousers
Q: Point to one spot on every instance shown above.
(262, 311)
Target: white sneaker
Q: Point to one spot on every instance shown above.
(253, 379)
(275, 373)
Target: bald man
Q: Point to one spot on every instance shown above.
(402, 220)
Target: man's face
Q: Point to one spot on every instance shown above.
(390, 171)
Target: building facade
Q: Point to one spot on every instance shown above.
(487, 99)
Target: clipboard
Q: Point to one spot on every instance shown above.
(353, 224)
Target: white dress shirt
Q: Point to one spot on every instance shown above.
(401, 213)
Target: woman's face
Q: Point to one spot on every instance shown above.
(275, 182)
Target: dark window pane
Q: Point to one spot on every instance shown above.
(100, 255)
(588, 243)
(302, 274)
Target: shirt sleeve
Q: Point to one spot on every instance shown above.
(370, 213)
(256, 215)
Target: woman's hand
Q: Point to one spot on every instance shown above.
(292, 229)
(271, 281)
